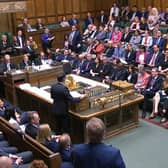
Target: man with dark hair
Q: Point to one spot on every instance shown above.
(33, 125)
(61, 96)
(96, 154)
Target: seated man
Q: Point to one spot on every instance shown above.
(33, 125)
(25, 62)
(5, 45)
(4, 108)
(96, 154)
(154, 84)
(6, 65)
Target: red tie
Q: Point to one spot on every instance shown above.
(152, 62)
(146, 39)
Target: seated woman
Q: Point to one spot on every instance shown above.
(135, 40)
(64, 22)
(142, 79)
(141, 55)
(95, 71)
(160, 97)
(135, 25)
(45, 138)
(132, 74)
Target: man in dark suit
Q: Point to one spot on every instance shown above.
(25, 62)
(87, 66)
(89, 19)
(159, 40)
(33, 125)
(4, 108)
(5, 45)
(96, 154)
(74, 39)
(102, 19)
(61, 96)
(73, 20)
(154, 84)
(6, 65)
(133, 13)
(130, 54)
(20, 39)
(106, 68)
(155, 58)
(126, 35)
(41, 60)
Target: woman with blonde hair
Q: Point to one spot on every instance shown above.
(153, 21)
(45, 138)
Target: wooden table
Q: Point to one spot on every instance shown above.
(36, 78)
(118, 116)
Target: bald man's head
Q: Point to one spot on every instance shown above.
(5, 162)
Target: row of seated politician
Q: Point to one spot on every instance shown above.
(28, 123)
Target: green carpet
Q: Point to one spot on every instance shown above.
(143, 147)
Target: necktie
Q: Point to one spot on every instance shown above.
(152, 62)
(146, 40)
(87, 65)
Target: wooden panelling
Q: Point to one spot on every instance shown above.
(53, 10)
(140, 4)
(132, 2)
(148, 2)
(51, 19)
(20, 15)
(84, 5)
(76, 5)
(68, 6)
(98, 5)
(157, 3)
(40, 7)
(30, 8)
(50, 6)
(60, 7)
(91, 5)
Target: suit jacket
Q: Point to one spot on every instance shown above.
(130, 56)
(126, 38)
(97, 156)
(5, 47)
(87, 21)
(105, 19)
(29, 50)
(106, 70)
(87, 66)
(31, 130)
(75, 63)
(132, 77)
(76, 38)
(73, 22)
(61, 96)
(22, 64)
(158, 61)
(154, 84)
(160, 42)
(22, 41)
(3, 67)
(52, 145)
